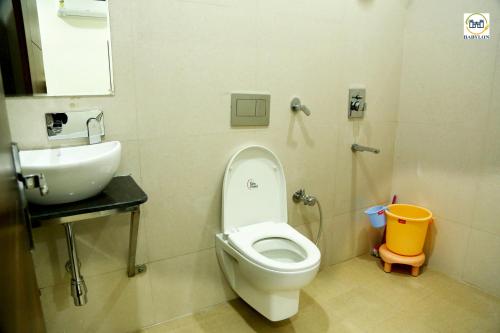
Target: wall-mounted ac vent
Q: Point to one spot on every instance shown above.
(83, 8)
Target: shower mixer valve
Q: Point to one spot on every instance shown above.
(357, 103)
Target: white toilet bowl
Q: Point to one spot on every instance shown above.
(265, 260)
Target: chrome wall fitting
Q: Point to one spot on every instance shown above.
(355, 147)
(296, 106)
(356, 103)
(301, 196)
(75, 124)
(94, 129)
(309, 200)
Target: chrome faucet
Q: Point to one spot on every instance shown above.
(94, 129)
(355, 147)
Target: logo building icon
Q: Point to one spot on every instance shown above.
(476, 26)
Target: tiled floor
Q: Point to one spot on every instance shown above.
(357, 296)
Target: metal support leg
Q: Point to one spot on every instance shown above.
(134, 231)
(78, 287)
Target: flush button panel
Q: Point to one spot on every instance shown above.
(250, 109)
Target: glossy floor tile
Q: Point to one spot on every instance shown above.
(357, 296)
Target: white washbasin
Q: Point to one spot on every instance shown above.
(71, 173)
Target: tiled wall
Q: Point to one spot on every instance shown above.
(175, 64)
(448, 139)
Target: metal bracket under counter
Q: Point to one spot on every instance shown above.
(135, 214)
(122, 195)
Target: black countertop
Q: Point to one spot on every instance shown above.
(121, 192)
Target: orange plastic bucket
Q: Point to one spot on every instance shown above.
(406, 228)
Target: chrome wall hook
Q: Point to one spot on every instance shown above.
(296, 106)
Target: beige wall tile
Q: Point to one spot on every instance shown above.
(427, 74)
(350, 235)
(482, 266)
(185, 188)
(487, 199)
(340, 234)
(413, 181)
(308, 158)
(199, 62)
(488, 188)
(50, 255)
(437, 167)
(120, 16)
(130, 163)
(116, 303)
(446, 246)
(187, 283)
(364, 179)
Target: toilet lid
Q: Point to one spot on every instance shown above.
(254, 189)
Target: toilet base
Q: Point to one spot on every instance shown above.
(275, 306)
(390, 258)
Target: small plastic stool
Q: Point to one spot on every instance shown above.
(390, 258)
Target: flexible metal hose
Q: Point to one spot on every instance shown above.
(309, 200)
(320, 230)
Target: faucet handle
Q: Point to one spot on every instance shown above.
(358, 103)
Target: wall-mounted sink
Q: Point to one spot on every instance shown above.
(71, 173)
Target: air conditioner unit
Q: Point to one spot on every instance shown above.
(83, 8)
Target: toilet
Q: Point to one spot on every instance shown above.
(264, 259)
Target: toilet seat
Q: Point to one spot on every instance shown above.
(244, 238)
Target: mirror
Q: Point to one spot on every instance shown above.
(55, 47)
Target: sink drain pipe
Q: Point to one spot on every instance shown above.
(78, 287)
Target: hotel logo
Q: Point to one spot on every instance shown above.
(476, 26)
